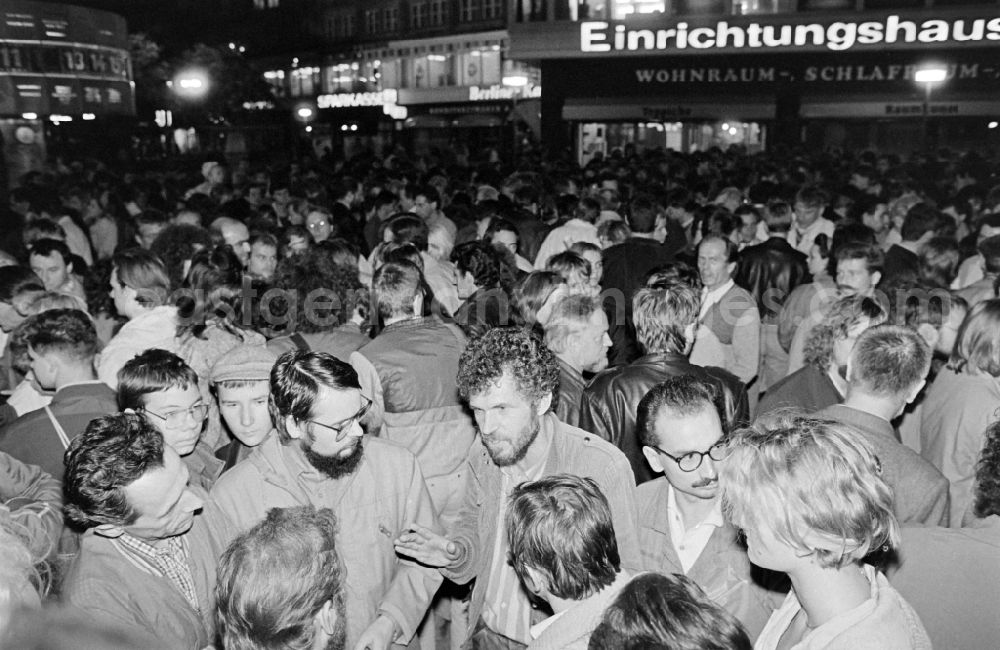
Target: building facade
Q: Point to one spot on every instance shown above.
(690, 74)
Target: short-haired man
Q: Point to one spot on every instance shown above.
(681, 525)
(280, 584)
(810, 202)
(509, 379)
(263, 259)
(234, 234)
(140, 286)
(19, 287)
(563, 548)
(665, 318)
(409, 371)
(822, 381)
(427, 206)
(158, 385)
(580, 228)
(374, 488)
(626, 266)
(886, 371)
(859, 271)
(919, 226)
(62, 344)
(149, 223)
(577, 333)
(52, 261)
(241, 379)
(146, 562)
(728, 332)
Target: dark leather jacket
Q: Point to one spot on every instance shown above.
(773, 265)
(610, 402)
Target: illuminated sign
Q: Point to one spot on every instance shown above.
(601, 36)
(499, 92)
(353, 100)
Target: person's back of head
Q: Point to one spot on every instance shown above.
(60, 338)
(977, 347)
(843, 316)
(143, 272)
(561, 536)
(889, 362)
(778, 216)
(921, 220)
(659, 612)
(532, 293)
(989, 248)
(280, 584)
(664, 317)
(18, 281)
(643, 214)
(409, 229)
(396, 289)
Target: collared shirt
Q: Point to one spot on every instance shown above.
(507, 608)
(802, 239)
(537, 629)
(171, 561)
(709, 298)
(690, 542)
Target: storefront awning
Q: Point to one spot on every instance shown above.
(651, 109)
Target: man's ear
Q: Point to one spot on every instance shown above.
(109, 530)
(326, 618)
(418, 303)
(293, 429)
(544, 404)
(912, 395)
(876, 278)
(653, 459)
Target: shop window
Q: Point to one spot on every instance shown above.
(533, 10)
(276, 79)
(622, 8)
(479, 68)
(751, 7)
(304, 82)
(698, 7)
(265, 4)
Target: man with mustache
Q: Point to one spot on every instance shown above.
(682, 528)
(509, 379)
(320, 457)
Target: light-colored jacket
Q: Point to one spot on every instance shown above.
(723, 569)
(573, 451)
(561, 238)
(32, 500)
(373, 506)
(155, 328)
(572, 629)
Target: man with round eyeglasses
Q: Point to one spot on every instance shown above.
(321, 457)
(682, 528)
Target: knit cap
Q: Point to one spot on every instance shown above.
(243, 363)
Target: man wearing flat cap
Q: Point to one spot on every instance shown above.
(241, 379)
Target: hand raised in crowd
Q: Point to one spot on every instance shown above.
(427, 547)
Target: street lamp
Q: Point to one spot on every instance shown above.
(191, 83)
(928, 75)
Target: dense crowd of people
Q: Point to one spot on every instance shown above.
(708, 400)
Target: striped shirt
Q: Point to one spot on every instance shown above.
(171, 561)
(507, 609)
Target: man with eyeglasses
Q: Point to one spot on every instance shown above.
(682, 528)
(320, 457)
(160, 386)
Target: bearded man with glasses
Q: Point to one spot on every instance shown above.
(682, 528)
(375, 489)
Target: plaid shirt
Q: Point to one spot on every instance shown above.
(172, 561)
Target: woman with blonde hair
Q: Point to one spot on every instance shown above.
(962, 402)
(809, 496)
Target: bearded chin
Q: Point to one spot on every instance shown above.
(335, 466)
(520, 446)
